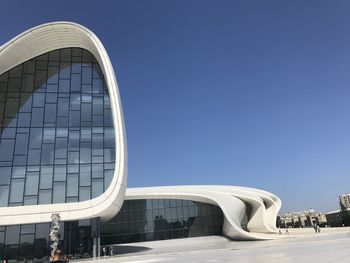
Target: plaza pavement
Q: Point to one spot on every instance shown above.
(301, 245)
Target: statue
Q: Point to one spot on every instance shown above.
(54, 232)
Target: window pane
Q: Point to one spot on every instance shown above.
(45, 197)
(32, 183)
(17, 189)
(30, 200)
(18, 172)
(97, 187)
(60, 173)
(50, 112)
(34, 157)
(46, 177)
(37, 117)
(59, 192)
(85, 175)
(35, 138)
(84, 193)
(38, 99)
(75, 82)
(6, 150)
(63, 107)
(12, 235)
(21, 144)
(47, 154)
(61, 148)
(72, 185)
(87, 75)
(4, 193)
(23, 120)
(11, 107)
(28, 229)
(5, 175)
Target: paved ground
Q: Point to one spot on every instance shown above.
(301, 245)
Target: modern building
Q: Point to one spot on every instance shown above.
(340, 217)
(63, 150)
(335, 218)
(345, 200)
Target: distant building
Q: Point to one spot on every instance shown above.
(340, 217)
(345, 200)
(302, 219)
(335, 218)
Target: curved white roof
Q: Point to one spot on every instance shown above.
(40, 40)
(231, 200)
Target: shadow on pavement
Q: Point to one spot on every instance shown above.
(118, 250)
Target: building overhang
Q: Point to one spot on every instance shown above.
(231, 200)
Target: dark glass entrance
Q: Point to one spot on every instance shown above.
(157, 219)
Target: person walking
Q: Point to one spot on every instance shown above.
(287, 232)
(111, 252)
(318, 229)
(315, 228)
(104, 250)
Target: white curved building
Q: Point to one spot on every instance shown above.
(249, 214)
(63, 150)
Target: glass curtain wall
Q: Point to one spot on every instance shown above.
(30, 243)
(56, 133)
(157, 219)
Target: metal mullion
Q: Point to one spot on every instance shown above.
(103, 126)
(81, 94)
(29, 133)
(14, 150)
(91, 117)
(2, 128)
(43, 123)
(55, 143)
(70, 93)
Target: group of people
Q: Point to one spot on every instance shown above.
(315, 226)
(107, 251)
(280, 232)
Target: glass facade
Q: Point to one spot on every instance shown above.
(30, 243)
(57, 140)
(157, 219)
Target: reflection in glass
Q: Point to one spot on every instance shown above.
(55, 111)
(155, 219)
(12, 235)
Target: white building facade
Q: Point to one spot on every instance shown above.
(63, 150)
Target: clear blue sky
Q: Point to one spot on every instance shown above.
(251, 93)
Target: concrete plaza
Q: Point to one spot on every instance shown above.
(301, 245)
